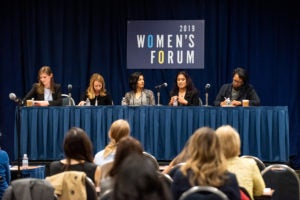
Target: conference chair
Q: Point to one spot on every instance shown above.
(152, 159)
(174, 168)
(166, 178)
(107, 195)
(203, 193)
(283, 180)
(29, 188)
(65, 100)
(261, 166)
(90, 189)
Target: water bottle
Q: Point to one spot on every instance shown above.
(87, 102)
(123, 102)
(25, 161)
(175, 102)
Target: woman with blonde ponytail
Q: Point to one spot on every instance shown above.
(118, 129)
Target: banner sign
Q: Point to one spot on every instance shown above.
(165, 44)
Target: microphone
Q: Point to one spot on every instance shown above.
(69, 88)
(13, 97)
(69, 91)
(162, 85)
(207, 86)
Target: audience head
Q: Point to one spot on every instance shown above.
(240, 77)
(77, 145)
(230, 141)
(45, 79)
(96, 86)
(126, 146)
(138, 180)
(118, 129)
(136, 81)
(205, 158)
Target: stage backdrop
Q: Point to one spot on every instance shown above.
(78, 38)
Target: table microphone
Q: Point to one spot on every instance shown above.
(69, 95)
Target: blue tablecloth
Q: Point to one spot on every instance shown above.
(162, 130)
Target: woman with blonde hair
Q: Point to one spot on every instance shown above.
(96, 92)
(205, 166)
(246, 170)
(118, 129)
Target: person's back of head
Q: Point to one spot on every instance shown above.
(138, 180)
(125, 147)
(205, 159)
(118, 129)
(230, 141)
(77, 145)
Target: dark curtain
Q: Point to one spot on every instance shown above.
(80, 37)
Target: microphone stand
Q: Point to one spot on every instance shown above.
(158, 96)
(69, 98)
(206, 99)
(18, 124)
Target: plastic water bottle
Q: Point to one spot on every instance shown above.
(25, 161)
(175, 102)
(123, 102)
(87, 102)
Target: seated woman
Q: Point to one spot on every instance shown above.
(138, 180)
(118, 129)
(78, 150)
(246, 170)
(96, 92)
(138, 96)
(205, 166)
(184, 92)
(126, 146)
(46, 92)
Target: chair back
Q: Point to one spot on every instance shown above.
(203, 193)
(29, 188)
(152, 159)
(90, 189)
(107, 195)
(261, 166)
(166, 178)
(65, 100)
(283, 180)
(174, 168)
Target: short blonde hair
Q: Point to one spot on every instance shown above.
(230, 141)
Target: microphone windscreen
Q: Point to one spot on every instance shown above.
(165, 84)
(12, 96)
(69, 87)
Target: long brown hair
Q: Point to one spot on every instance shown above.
(206, 160)
(40, 87)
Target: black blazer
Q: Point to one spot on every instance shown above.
(57, 99)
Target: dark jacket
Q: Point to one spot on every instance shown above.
(57, 99)
(247, 91)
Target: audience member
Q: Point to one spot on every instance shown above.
(237, 91)
(246, 170)
(180, 158)
(96, 92)
(78, 156)
(205, 166)
(138, 180)
(46, 92)
(138, 95)
(118, 129)
(5, 176)
(184, 92)
(126, 146)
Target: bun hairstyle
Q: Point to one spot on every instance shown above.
(242, 73)
(134, 77)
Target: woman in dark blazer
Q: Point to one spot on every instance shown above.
(45, 92)
(184, 92)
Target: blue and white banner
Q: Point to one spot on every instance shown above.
(165, 44)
